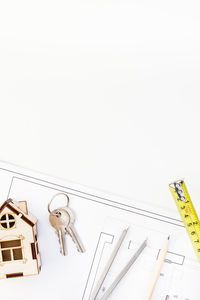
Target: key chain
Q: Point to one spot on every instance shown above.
(62, 219)
(56, 195)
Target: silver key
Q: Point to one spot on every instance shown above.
(72, 231)
(60, 219)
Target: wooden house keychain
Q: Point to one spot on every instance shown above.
(19, 253)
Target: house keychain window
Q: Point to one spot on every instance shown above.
(19, 253)
(11, 250)
(7, 221)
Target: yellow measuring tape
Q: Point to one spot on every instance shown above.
(187, 212)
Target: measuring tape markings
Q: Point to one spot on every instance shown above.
(187, 213)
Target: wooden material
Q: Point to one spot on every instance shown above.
(14, 275)
(157, 269)
(23, 206)
(19, 252)
(34, 256)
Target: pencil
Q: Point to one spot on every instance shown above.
(157, 269)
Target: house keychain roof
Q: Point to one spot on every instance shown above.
(19, 252)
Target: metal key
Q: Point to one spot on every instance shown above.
(60, 220)
(70, 229)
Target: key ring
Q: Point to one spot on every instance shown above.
(55, 197)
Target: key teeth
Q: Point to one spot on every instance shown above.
(77, 242)
(82, 250)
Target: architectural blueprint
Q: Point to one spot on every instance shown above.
(100, 219)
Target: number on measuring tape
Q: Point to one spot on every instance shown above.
(187, 213)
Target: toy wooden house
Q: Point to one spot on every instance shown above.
(19, 253)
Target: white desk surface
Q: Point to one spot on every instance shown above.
(105, 94)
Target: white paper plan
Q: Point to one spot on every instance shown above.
(100, 219)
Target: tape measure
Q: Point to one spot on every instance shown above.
(187, 212)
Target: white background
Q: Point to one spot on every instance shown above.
(103, 93)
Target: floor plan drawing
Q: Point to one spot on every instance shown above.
(100, 218)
